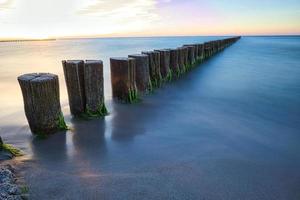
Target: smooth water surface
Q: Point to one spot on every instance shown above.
(229, 129)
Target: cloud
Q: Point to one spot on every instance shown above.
(124, 14)
(120, 8)
(6, 4)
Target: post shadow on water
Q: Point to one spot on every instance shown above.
(126, 121)
(50, 149)
(88, 138)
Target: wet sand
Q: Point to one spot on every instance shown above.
(227, 130)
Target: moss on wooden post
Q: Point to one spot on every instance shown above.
(94, 89)
(142, 79)
(123, 79)
(154, 68)
(165, 64)
(42, 103)
(74, 77)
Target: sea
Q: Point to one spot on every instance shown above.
(228, 129)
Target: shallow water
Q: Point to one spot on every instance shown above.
(227, 130)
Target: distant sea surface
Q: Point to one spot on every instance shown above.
(229, 129)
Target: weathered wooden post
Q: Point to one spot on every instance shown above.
(191, 56)
(74, 77)
(186, 58)
(123, 79)
(154, 67)
(206, 50)
(165, 64)
(94, 89)
(42, 103)
(196, 53)
(181, 59)
(201, 52)
(174, 64)
(84, 82)
(142, 75)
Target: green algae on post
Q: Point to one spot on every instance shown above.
(11, 149)
(61, 123)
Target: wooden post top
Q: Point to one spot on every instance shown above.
(37, 77)
(138, 56)
(93, 62)
(121, 59)
(73, 61)
(162, 50)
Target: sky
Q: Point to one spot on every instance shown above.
(40, 19)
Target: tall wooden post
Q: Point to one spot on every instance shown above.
(142, 78)
(181, 59)
(165, 64)
(154, 67)
(191, 56)
(84, 82)
(174, 64)
(123, 79)
(74, 76)
(94, 88)
(186, 58)
(42, 103)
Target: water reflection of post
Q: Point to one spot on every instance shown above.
(52, 149)
(127, 121)
(89, 149)
(88, 139)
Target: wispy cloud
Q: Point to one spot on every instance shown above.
(127, 15)
(6, 4)
(121, 9)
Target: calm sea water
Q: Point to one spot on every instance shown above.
(230, 129)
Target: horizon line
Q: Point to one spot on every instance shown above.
(154, 36)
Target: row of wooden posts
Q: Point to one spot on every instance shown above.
(131, 77)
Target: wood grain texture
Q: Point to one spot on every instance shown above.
(74, 77)
(41, 102)
(142, 74)
(164, 63)
(93, 84)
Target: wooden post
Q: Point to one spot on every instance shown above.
(174, 64)
(123, 79)
(142, 78)
(181, 59)
(206, 50)
(191, 56)
(186, 58)
(74, 76)
(165, 64)
(154, 67)
(94, 89)
(196, 53)
(84, 82)
(42, 102)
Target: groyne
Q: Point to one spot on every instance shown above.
(131, 78)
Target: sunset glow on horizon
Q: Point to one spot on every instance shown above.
(36, 19)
